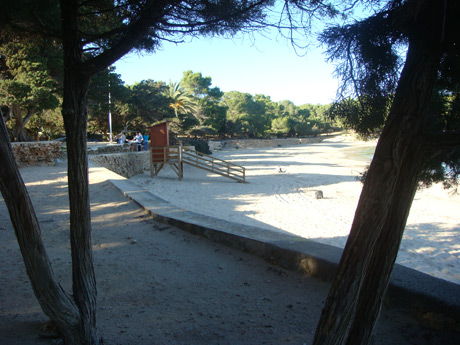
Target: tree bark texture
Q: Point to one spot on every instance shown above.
(52, 298)
(76, 83)
(356, 295)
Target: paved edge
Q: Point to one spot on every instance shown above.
(417, 293)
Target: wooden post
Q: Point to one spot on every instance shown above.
(179, 162)
(151, 162)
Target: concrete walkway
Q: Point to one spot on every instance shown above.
(416, 292)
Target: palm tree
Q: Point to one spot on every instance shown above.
(185, 106)
(182, 102)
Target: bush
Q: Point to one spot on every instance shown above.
(200, 145)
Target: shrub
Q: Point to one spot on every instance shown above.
(200, 145)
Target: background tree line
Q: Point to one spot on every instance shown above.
(31, 97)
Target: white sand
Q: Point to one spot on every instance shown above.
(286, 201)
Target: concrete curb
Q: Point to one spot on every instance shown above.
(413, 291)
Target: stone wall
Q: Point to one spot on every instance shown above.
(126, 164)
(259, 143)
(37, 152)
(95, 149)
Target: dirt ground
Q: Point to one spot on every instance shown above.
(160, 285)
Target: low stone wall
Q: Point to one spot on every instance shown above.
(259, 143)
(126, 164)
(105, 148)
(37, 152)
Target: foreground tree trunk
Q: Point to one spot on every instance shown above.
(354, 302)
(58, 305)
(75, 315)
(76, 84)
(83, 277)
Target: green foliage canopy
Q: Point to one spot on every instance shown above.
(29, 83)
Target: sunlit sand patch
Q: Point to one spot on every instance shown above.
(102, 246)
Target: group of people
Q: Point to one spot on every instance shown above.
(140, 141)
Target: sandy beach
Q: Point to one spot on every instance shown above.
(286, 201)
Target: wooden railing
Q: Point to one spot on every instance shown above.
(176, 156)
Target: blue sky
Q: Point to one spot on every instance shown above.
(268, 66)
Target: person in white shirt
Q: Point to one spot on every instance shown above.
(139, 139)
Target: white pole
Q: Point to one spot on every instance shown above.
(110, 114)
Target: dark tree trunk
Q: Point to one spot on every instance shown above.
(354, 302)
(54, 301)
(84, 283)
(76, 83)
(75, 317)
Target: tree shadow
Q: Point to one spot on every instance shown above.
(430, 248)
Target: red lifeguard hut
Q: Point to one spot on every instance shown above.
(159, 138)
(162, 153)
